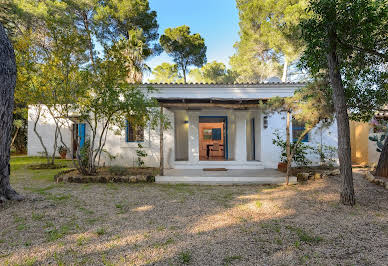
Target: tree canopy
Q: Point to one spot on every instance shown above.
(213, 72)
(166, 73)
(346, 41)
(361, 27)
(185, 48)
(268, 37)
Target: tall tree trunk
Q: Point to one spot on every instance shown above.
(288, 147)
(344, 153)
(7, 88)
(285, 68)
(14, 137)
(382, 166)
(184, 76)
(161, 122)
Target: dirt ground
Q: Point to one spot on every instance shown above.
(150, 224)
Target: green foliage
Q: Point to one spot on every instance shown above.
(141, 154)
(118, 170)
(185, 257)
(83, 157)
(268, 32)
(100, 231)
(186, 49)
(62, 149)
(360, 37)
(380, 140)
(166, 73)
(213, 72)
(327, 154)
(301, 150)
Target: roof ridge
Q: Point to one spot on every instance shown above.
(217, 84)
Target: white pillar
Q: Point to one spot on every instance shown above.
(193, 137)
(241, 137)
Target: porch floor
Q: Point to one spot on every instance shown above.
(229, 177)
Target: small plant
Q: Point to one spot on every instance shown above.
(300, 153)
(62, 151)
(118, 170)
(380, 140)
(230, 259)
(100, 231)
(83, 158)
(141, 154)
(185, 257)
(327, 154)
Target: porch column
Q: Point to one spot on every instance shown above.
(193, 137)
(241, 137)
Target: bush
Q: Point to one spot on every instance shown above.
(141, 154)
(62, 149)
(327, 154)
(300, 153)
(118, 170)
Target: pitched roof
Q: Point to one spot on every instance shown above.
(220, 85)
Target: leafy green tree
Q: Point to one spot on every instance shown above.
(308, 105)
(254, 61)
(166, 73)
(186, 49)
(62, 67)
(213, 72)
(107, 103)
(346, 40)
(269, 30)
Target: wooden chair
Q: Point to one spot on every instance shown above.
(216, 147)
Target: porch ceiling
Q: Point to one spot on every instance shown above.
(202, 103)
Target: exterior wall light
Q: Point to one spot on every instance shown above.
(265, 121)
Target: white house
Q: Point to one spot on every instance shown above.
(212, 126)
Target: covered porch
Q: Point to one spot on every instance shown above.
(210, 133)
(219, 127)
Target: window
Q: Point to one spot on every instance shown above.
(216, 133)
(207, 134)
(297, 130)
(134, 133)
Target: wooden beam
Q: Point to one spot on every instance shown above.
(210, 105)
(161, 126)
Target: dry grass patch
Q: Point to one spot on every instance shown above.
(142, 224)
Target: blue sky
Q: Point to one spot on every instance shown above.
(215, 20)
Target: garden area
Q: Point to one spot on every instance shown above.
(147, 223)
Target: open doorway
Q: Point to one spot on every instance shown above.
(213, 138)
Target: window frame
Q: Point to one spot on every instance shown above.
(298, 127)
(127, 127)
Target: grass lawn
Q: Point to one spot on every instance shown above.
(138, 224)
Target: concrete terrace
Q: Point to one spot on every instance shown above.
(228, 177)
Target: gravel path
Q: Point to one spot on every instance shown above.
(149, 224)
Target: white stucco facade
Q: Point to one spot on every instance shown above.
(249, 131)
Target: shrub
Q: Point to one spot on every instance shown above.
(141, 154)
(118, 170)
(300, 153)
(327, 154)
(62, 149)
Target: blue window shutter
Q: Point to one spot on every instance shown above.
(126, 130)
(81, 134)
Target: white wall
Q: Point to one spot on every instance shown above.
(46, 129)
(277, 122)
(125, 152)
